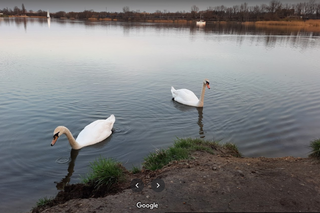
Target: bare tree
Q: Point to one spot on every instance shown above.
(318, 10)
(287, 6)
(23, 9)
(16, 10)
(299, 8)
(219, 12)
(194, 8)
(274, 5)
(244, 7)
(63, 14)
(264, 8)
(229, 12)
(126, 9)
(310, 7)
(235, 9)
(194, 11)
(221, 8)
(208, 14)
(244, 11)
(210, 8)
(256, 9)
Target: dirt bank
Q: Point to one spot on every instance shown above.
(217, 182)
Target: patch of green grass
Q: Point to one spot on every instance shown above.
(186, 143)
(105, 172)
(43, 202)
(195, 144)
(135, 170)
(161, 158)
(182, 149)
(233, 149)
(202, 148)
(315, 145)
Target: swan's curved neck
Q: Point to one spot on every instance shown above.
(72, 141)
(200, 104)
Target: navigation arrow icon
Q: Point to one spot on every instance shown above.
(157, 185)
(137, 185)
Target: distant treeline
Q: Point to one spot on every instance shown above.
(274, 11)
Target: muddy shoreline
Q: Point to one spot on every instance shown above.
(208, 182)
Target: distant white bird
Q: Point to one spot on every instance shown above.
(187, 97)
(93, 133)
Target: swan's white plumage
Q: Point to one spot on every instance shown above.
(187, 97)
(184, 96)
(96, 132)
(93, 133)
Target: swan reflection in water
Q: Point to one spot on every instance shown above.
(64, 181)
(184, 108)
(200, 116)
(73, 156)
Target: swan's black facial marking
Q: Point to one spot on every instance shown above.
(55, 138)
(56, 135)
(208, 84)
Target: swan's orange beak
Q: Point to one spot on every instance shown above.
(55, 138)
(208, 86)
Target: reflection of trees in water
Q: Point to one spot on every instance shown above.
(251, 29)
(299, 40)
(25, 23)
(19, 21)
(269, 35)
(64, 181)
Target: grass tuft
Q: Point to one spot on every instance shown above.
(315, 145)
(162, 157)
(202, 148)
(182, 149)
(233, 149)
(43, 202)
(105, 172)
(196, 144)
(135, 170)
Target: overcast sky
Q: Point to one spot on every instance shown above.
(117, 5)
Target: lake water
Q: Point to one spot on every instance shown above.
(264, 97)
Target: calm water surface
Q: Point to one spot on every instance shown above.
(264, 96)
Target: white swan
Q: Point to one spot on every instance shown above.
(93, 133)
(187, 97)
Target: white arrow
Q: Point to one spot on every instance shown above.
(137, 185)
(158, 185)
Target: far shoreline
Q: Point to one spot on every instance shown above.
(289, 25)
(305, 23)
